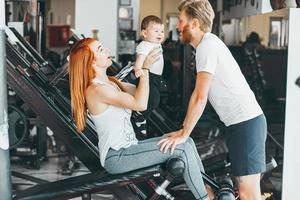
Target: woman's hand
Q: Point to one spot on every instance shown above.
(152, 57)
(171, 141)
(138, 72)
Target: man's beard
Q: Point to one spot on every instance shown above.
(186, 35)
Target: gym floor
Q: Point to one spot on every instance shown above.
(50, 170)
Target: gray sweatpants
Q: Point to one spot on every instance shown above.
(146, 153)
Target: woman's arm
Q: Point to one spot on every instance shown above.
(139, 62)
(129, 88)
(138, 100)
(138, 65)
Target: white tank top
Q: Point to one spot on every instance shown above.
(113, 127)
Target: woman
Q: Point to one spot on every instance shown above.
(110, 103)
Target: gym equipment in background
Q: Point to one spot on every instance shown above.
(28, 76)
(298, 81)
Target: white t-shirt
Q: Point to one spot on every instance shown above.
(229, 92)
(144, 48)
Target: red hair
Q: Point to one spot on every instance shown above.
(81, 74)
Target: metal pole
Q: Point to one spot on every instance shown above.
(5, 174)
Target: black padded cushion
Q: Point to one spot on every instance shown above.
(88, 183)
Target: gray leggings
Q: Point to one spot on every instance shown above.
(146, 153)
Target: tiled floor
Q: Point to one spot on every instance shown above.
(50, 170)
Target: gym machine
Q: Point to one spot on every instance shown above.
(27, 76)
(298, 82)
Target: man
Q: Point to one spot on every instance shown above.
(220, 81)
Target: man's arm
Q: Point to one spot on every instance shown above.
(195, 109)
(197, 102)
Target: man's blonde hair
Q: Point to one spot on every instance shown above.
(201, 10)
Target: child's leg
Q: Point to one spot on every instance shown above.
(154, 94)
(138, 122)
(139, 119)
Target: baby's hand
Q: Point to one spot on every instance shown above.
(138, 72)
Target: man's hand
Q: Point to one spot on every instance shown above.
(171, 141)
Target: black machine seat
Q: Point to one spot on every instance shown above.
(88, 183)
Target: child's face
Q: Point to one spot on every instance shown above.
(154, 33)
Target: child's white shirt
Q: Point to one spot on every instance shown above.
(144, 48)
